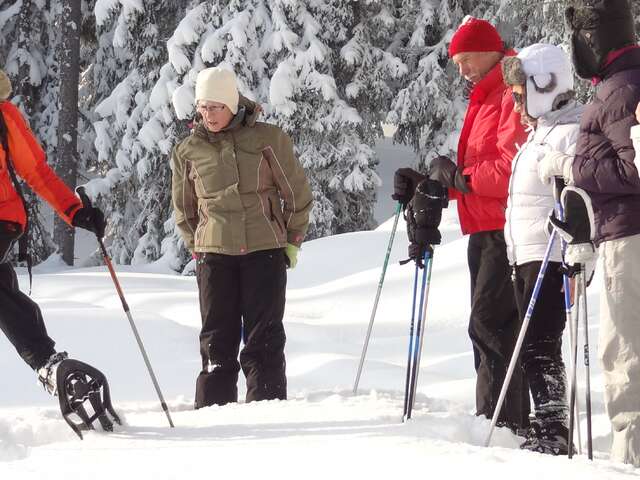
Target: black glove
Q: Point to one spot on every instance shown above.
(428, 201)
(443, 170)
(577, 230)
(416, 253)
(405, 182)
(90, 218)
(423, 216)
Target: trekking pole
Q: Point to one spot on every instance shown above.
(523, 331)
(87, 202)
(583, 291)
(375, 303)
(573, 382)
(574, 406)
(422, 320)
(409, 355)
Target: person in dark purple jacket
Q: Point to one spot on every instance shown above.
(604, 48)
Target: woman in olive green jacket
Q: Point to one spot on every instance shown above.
(242, 203)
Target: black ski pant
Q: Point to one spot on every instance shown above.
(241, 296)
(493, 327)
(541, 355)
(21, 321)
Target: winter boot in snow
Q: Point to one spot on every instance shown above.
(82, 392)
(47, 373)
(547, 437)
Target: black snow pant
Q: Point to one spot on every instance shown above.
(21, 321)
(541, 355)
(493, 327)
(241, 297)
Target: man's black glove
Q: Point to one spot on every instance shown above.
(443, 170)
(90, 218)
(405, 182)
(423, 216)
(416, 253)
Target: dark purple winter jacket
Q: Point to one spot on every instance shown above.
(603, 165)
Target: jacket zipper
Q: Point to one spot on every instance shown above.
(273, 217)
(201, 228)
(511, 181)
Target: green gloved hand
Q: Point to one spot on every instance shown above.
(291, 251)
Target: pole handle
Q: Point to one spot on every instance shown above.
(84, 198)
(558, 186)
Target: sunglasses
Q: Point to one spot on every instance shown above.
(210, 109)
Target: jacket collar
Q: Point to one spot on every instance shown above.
(570, 113)
(248, 113)
(623, 59)
(490, 82)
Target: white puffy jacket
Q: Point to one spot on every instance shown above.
(530, 201)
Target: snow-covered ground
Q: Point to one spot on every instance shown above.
(322, 431)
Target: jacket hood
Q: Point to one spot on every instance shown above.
(545, 71)
(598, 27)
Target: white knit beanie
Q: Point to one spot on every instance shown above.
(217, 84)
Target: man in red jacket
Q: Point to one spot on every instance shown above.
(20, 317)
(489, 140)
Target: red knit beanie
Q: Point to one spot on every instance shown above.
(475, 35)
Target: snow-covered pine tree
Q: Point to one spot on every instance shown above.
(132, 136)
(330, 91)
(32, 68)
(429, 106)
(366, 73)
(305, 102)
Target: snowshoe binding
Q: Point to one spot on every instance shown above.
(83, 393)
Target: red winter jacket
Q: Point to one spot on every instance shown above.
(30, 164)
(490, 137)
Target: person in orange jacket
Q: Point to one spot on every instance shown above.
(20, 317)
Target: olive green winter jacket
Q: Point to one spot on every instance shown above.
(239, 190)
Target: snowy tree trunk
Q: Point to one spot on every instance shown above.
(67, 164)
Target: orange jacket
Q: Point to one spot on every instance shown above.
(30, 164)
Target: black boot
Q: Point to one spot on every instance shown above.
(547, 437)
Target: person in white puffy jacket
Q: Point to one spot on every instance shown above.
(541, 82)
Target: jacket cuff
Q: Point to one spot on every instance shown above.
(71, 212)
(295, 238)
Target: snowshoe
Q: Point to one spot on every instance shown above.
(82, 391)
(551, 438)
